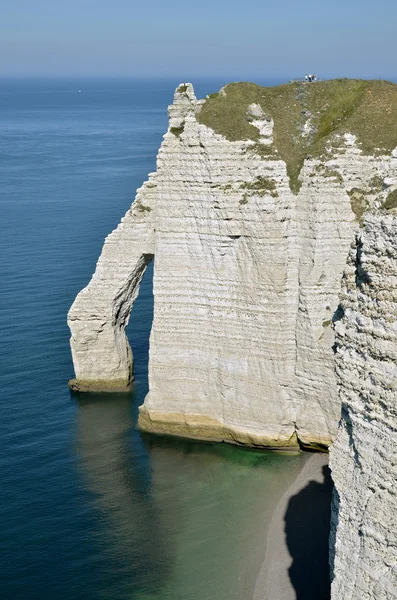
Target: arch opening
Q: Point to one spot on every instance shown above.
(139, 328)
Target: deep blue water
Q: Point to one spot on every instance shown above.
(89, 508)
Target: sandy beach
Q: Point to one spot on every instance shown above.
(295, 566)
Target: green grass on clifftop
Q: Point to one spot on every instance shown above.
(367, 109)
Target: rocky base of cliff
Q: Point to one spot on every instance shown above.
(205, 428)
(115, 385)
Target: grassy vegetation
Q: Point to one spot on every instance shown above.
(343, 98)
(376, 184)
(265, 151)
(358, 203)
(182, 89)
(225, 188)
(177, 131)
(367, 109)
(141, 207)
(327, 172)
(391, 201)
(262, 186)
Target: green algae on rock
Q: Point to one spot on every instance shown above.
(100, 385)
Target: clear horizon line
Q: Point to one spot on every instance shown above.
(192, 76)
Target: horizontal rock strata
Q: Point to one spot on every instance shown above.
(364, 457)
(101, 353)
(246, 282)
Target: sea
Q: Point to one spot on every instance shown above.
(90, 508)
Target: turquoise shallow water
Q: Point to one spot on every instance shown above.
(90, 508)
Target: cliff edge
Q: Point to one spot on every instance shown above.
(272, 221)
(249, 218)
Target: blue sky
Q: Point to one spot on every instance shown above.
(202, 38)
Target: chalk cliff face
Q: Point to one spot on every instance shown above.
(101, 353)
(364, 457)
(272, 220)
(246, 277)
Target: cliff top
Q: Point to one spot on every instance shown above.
(307, 115)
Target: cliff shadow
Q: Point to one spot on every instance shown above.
(307, 528)
(334, 527)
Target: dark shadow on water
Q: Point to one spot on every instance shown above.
(116, 471)
(307, 525)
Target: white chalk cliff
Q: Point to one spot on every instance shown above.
(364, 457)
(247, 283)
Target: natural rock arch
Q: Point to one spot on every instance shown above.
(101, 352)
(246, 278)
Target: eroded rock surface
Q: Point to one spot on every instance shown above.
(364, 457)
(97, 319)
(246, 282)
